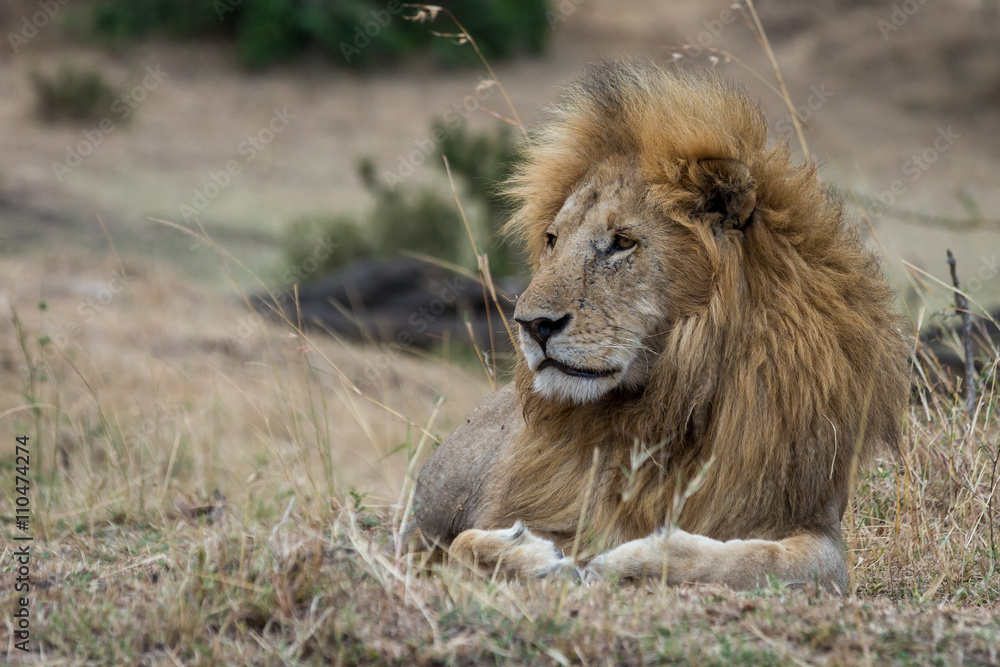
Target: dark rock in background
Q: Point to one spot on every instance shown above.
(417, 304)
(399, 300)
(940, 347)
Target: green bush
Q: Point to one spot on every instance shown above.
(347, 240)
(72, 93)
(270, 31)
(124, 20)
(421, 219)
(500, 27)
(483, 161)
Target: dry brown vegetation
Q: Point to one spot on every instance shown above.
(216, 488)
(210, 487)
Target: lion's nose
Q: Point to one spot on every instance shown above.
(543, 328)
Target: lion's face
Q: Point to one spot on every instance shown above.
(606, 288)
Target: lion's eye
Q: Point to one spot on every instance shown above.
(550, 241)
(621, 243)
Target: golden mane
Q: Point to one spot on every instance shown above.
(791, 371)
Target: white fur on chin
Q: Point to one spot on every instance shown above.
(555, 385)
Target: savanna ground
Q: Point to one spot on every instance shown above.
(212, 487)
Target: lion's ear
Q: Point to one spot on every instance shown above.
(727, 194)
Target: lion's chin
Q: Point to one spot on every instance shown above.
(557, 385)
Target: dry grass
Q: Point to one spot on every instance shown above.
(193, 502)
(213, 489)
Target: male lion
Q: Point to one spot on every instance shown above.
(706, 352)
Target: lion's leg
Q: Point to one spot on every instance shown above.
(739, 564)
(512, 551)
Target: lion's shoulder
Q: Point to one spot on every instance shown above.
(452, 486)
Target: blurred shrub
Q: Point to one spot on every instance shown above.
(346, 239)
(421, 219)
(268, 31)
(123, 20)
(71, 93)
(484, 161)
(354, 32)
(500, 28)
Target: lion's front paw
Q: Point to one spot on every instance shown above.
(564, 567)
(611, 565)
(514, 550)
(594, 571)
(637, 558)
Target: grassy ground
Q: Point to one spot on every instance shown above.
(212, 488)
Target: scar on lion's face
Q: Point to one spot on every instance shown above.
(606, 240)
(699, 296)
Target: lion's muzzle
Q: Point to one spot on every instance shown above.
(540, 329)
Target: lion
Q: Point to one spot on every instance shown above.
(706, 352)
